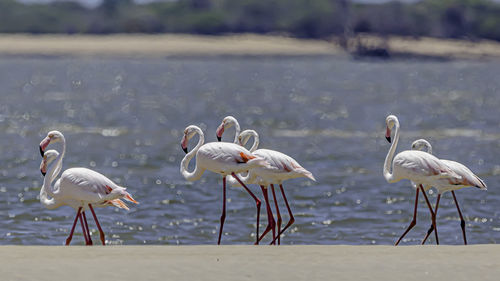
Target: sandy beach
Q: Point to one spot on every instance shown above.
(477, 262)
(137, 45)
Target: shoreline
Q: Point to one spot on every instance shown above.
(315, 262)
(167, 45)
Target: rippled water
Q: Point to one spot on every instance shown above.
(124, 118)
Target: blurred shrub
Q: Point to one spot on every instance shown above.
(302, 18)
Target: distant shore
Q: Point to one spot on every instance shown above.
(476, 262)
(136, 45)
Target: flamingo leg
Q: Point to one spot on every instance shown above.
(431, 228)
(101, 233)
(68, 240)
(257, 203)
(278, 213)
(413, 221)
(433, 215)
(84, 230)
(462, 221)
(87, 227)
(223, 216)
(292, 219)
(271, 225)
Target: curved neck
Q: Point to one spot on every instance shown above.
(196, 174)
(59, 159)
(256, 141)
(389, 177)
(46, 189)
(237, 131)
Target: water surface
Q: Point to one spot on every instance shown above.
(125, 118)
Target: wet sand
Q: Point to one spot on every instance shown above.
(476, 262)
(137, 45)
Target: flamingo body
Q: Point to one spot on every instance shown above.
(84, 186)
(225, 158)
(281, 167)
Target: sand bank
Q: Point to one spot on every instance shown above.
(136, 45)
(161, 45)
(477, 262)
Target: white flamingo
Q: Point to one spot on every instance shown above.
(282, 167)
(228, 122)
(221, 158)
(469, 179)
(418, 166)
(78, 188)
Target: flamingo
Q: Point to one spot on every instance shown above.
(282, 167)
(78, 188)
(228, 122)
(469, 179)
(420, 167)
(221, 158)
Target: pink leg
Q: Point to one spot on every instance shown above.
(413, 221)
(431, 228)
(433, 215)
(462, 221)
(292, 219)
(103, 239)
(278, 213)
(68, 240)
(271, 225)
(87, 227)
(84, 230)
(257, 203)
(223, 216)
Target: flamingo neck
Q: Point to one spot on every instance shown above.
(46, 189)
(256, 141)
(389, 177)
(237, 130)
(197, 172)
(58, 163)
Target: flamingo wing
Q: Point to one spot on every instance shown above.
(468, 177)
(282, 163)
(422, 167)
(89, 186)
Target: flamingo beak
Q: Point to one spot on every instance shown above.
(43, 168)
(220, 131)
(184, 142)
(388, 135)
(43, 145)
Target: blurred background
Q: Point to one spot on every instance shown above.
(473, 19)
(122, 79)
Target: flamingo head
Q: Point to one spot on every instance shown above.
(390, 121)
(52, 137)
(48, 157)
(422, 145)
(244, 137)
(189, 132)
(227, 123)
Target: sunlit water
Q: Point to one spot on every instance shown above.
(125, 118)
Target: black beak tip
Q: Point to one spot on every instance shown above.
(219, 138)
(185, 150)
(43, 173)
(388, 139)
(41, 151)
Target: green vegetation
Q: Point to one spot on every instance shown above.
(471, 19)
